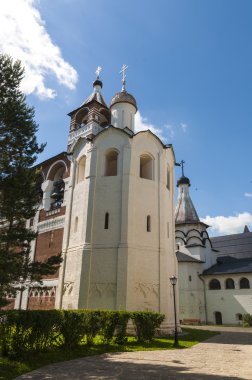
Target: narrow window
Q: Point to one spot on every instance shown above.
(244, 283)
(190, 278)
(123, 119)
(168, 179)
(148, 223)
(214, 284)
(76, 224)
(111, 159)
(51, 239)
(146, 166)
(81, 169)
(230, 283)
(106, 223)
(31, 222)
(168, 230)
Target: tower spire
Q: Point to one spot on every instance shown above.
(123, 72)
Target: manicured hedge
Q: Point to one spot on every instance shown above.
(23, 331)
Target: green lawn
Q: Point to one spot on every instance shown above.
(9, 369)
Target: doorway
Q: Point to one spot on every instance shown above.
(218, 318)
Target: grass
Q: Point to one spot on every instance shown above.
(9, 369)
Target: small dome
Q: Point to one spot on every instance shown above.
(97, 82)
(183, 181)
(123, 97)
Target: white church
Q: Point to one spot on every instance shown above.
(107, 204)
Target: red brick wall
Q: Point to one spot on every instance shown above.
(49, 244)
(10, 305)
(41, 303)
(46, 215)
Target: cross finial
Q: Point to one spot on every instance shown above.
(182, 167)
(97, 72)
(123, 71)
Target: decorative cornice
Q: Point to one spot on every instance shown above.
(51, 224)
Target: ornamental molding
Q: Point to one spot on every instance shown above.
(101, 288)
(147, 289)
(51, 224)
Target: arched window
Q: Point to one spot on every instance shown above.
(146, 167)
(168, 178)
(148, 223)
(76, 224)
(230, 283)
(214, 284)
(81, 169)
(106, 222)
(238, 317)
(111, 159)
(244, 283)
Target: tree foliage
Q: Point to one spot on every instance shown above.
(19, 196)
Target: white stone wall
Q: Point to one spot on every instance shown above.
(124, 266)
(191, 293)
(229, 302)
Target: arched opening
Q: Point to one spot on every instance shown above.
(214, 284)
(244, 283)
(106, 222)
(81, 169)
(218, 318)
(148, 223)
(230, 283)
(146, 166)
(57, 193)
(111, 159)
(238, 317)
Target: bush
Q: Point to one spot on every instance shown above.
(115, 326)
(94, 320)
(247, 320)
(72, 327)
(146, 324)
(23, 331)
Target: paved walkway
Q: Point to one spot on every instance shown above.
(225, 356)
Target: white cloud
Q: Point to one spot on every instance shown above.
(224, 225)
(142, 124)
(184, 127)
(249, 195)
(170, 130)
(23, 35)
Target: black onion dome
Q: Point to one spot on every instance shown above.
(183, 181)
(123, 97)
(97, 82)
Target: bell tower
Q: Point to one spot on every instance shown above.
(91, 116)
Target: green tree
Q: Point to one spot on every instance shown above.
(19, 196)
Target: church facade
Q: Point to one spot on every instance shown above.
(215, 274)
(107, 205)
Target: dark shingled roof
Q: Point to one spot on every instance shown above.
(185, 212)
(227, 264)
(239, 245)
(182, 257)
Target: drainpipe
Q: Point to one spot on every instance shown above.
(68, 235)
(205, 299)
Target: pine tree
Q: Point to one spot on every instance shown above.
(19, 196)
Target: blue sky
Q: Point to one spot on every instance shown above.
(190, 70)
